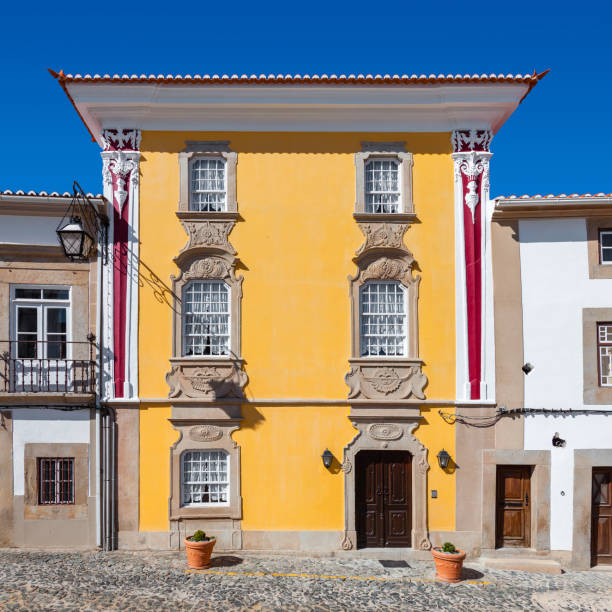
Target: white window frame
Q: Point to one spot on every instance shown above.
(400, 178)
(184, 316)
(404, 291)
(41, 304)
(601, 247)
(218, 158)
(602, 345)
(228, 483)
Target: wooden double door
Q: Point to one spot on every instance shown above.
(601, 516)
(513, 516)
(383, 498)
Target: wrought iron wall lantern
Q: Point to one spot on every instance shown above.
(443, 459)
(327, 458)
(80, 227)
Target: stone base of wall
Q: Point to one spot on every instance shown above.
(470, 541)
(144, 540)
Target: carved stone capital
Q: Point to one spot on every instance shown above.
(206, 379)
(120, 139)
(378, 379)
(382, 236)
(471, 140)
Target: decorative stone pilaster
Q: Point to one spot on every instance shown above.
(121, 176)
(471, 157)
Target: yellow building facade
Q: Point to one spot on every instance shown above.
(288, 303)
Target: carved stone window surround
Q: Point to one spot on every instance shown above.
(207, 378)
(205, 434)
(378, 150)
(213, 149)
(385, 378)
(382, 433)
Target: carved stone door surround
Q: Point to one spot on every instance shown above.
(381, 433)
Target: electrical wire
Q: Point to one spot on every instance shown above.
(490, 420)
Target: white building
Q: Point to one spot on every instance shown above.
(552, 264)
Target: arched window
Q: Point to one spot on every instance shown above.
(208, 185)
(205, 477)
(206, 318)
(382, 319)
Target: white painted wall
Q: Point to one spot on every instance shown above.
(37, 425)
(556, 287)
(28, 230)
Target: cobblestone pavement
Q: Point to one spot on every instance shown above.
(33, 580)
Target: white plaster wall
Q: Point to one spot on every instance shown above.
(28, 230)
(556, 287)
(36, 425)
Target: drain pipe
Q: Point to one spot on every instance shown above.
(109, 428)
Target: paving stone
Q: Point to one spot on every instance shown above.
(37, 580)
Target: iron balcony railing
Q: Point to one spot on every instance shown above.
(43, 366)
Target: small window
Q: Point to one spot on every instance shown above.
(208, 185)
(604, 346)
(382, 185)
(383, 319)
(206, 318)
(205, 477)
(55, 480)
(605, 246)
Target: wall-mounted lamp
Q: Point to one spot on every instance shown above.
(327, 458)
(443, 459)
(527, 367)
(557, 441)
(80, 226)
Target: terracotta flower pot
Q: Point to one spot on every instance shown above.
(448, 565)
(198, 553)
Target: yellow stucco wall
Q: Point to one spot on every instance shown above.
(295, 240)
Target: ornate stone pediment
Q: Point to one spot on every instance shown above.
(206, 380)
(382, 236)
(378, 379)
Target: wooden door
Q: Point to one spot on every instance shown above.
(513, 524)
(601, 517)
(383, 498)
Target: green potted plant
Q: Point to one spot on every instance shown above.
(449, 562)
(199, 549)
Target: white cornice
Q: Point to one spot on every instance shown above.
(326, 108)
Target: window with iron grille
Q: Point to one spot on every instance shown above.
(55, 480)
(382, 310)
(604, 347)
(205, 477)
(206, 318)
(208, 185)
(382, 186)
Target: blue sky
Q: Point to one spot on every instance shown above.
(558, 141)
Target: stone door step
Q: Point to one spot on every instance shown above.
(523, 564)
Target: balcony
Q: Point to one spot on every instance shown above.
(62, 370)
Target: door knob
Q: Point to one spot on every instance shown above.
(526, 499)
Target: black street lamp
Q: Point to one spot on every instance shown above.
(443, 459)
(79, 227)
(327, 458)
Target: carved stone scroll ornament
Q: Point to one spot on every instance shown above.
(385, 382)
(347, 544)
(205, 433)
(382, 236)
(386, 268)
(207, 235)
(385, 431)
(197, 380)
